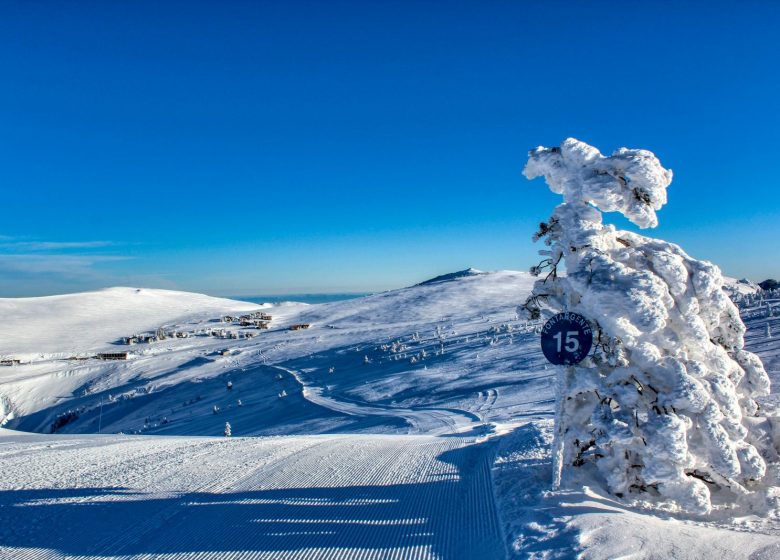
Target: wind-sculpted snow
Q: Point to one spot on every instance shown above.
(631, 182)
(666, 408)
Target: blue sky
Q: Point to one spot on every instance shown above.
(287, 147)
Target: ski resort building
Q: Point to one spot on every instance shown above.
(112, 356)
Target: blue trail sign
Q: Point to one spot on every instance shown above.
(566, 338)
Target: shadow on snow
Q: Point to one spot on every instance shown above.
(452, 517)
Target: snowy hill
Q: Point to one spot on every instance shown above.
(391, 407)
(739, 287)
(74, 323)
(452, 276)
(470, 318)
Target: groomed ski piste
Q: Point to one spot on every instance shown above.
(414, 423)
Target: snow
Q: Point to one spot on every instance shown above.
(742, 287)
(666, 409)
(346, 496)
(452, 276)
(588, 523)
(446, 456)
(64, 325)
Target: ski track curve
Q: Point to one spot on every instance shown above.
(299, 497)
(349, 497)
(422, 420)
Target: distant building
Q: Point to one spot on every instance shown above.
(299, 326)
(112, 356)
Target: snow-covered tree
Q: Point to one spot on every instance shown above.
(665, 407)
(228, 431)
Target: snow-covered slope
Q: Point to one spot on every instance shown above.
(452, 276)
(446, 345)
(444, 371)
(74, 323)
(741, 287)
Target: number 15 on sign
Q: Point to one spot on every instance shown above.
(566, 338)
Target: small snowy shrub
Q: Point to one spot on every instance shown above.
(665, 408)
(63, 419)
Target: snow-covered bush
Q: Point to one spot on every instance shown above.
(664, 409)
(228, 432)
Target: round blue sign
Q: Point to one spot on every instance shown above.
(566, 339)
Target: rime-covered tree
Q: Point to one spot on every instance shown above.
(228, 430)
(664, 410)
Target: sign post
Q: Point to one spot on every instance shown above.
(566, 340)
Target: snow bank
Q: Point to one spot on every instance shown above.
(588, 523)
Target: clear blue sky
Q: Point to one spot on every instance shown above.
(272, 147)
